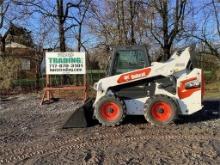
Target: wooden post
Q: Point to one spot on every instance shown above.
(48, 85)
(85, 86)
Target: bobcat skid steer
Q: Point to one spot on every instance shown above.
(134, 86)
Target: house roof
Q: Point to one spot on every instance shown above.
(19, 50)
(15, 45)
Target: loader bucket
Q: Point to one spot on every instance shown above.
(82, 117)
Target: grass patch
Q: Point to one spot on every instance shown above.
(213, 90)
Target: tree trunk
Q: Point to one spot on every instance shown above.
(61, 20)
(132, 21)
(118, 22)
(80, 37)
(3, 45)
(62, 38)
(124, 31)
(167, 46)
(166, 52)
(38, 64)
(79, 45)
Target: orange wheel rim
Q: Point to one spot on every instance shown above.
(110, 111)
(161, 111)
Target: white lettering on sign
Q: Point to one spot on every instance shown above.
(58, 63)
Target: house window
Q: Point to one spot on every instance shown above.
(25, 64)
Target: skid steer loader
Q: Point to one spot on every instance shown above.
(135, 86)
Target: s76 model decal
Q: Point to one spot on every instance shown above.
(134, 75)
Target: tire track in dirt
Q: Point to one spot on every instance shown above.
(57, 147)
(19, 149)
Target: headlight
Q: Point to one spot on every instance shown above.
(95, 86)
(192, 84)
(99, 87)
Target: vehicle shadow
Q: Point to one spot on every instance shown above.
(134, 119)
(210, 111)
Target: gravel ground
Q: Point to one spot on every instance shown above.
(33, 134)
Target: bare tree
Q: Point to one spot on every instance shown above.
(4, 8)
(166, 22)
(214, 49)
(83, 10)
(58, 11)
(119, 25)
(207, 30)
(216, 15)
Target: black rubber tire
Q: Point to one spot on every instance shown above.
(103, 121)
(160, 98)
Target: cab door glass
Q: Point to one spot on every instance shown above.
(128, 60)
